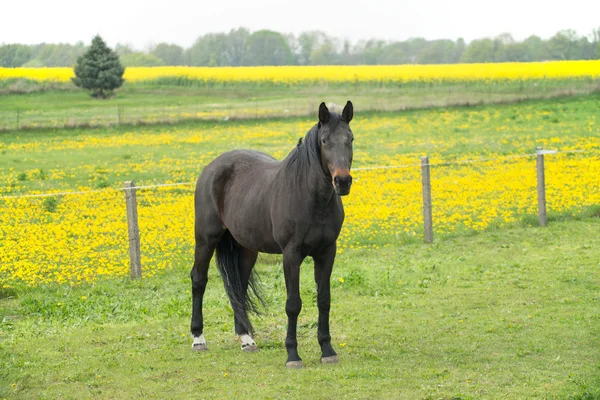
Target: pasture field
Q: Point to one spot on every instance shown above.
(483, 177)
(146, 104)
(507, 314)
(172, 94)
(496, 308)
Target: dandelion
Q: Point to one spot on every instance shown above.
(87, 231)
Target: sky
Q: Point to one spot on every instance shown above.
(142, 24)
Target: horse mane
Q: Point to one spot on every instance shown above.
(307, 153)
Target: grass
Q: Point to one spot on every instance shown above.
(504, 314)
(152, 103)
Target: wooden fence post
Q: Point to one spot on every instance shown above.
(541, 184)
(133, 230)
(427, 207)
(541, 187)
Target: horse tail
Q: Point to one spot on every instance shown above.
(229, 262)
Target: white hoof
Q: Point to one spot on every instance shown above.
(199, 343)
(248, 344)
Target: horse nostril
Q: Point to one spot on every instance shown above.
(342, 180)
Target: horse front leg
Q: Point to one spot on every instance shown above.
(293, 305)
(323, 268)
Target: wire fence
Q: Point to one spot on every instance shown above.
(81, 236)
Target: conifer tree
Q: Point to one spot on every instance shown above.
(99, 70)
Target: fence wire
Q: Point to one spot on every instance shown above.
(80, 236)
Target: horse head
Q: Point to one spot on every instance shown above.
(335, 141)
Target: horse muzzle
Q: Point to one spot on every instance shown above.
(342, 183)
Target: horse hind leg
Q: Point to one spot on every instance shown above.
(204, 250)
(235, 265)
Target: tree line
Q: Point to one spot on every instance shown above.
(241, 47)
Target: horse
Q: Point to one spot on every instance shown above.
(247, 202)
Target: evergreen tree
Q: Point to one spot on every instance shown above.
(99, 70)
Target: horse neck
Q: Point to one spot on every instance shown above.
(307, 175)
(321, 188)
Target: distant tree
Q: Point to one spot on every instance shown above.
(536, 49)
(596, 34)
(14, 55)
(269, 48)
(140, 59)
(459, 49)
(122, 49)
(479, 51)
(326, 53)
(396, 53)
(441, 51)
(208, 50)
(236, 47)
(307, 43)
(99, 70)
(346, 55)
(58, 55)
(241, 47)
(564, 45)
(413, 47)
(373, 51)
(169, 54)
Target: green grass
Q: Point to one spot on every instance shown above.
(151, 103)
(508, 314)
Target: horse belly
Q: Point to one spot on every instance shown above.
(257, 242)
(249, 222)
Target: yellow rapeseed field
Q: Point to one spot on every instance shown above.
(478, 182)
(339, 74)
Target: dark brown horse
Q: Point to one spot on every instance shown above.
(246, 202)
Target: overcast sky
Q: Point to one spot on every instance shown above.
(143, 23)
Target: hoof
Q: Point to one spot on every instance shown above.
(294, 364)
(199, 347)
(250, 348)
(330, 360)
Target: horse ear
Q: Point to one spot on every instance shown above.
(323, 114)
(348, 112)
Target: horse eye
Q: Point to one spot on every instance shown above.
(324, 141)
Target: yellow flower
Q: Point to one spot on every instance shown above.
(88, 231)
(293, 75)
